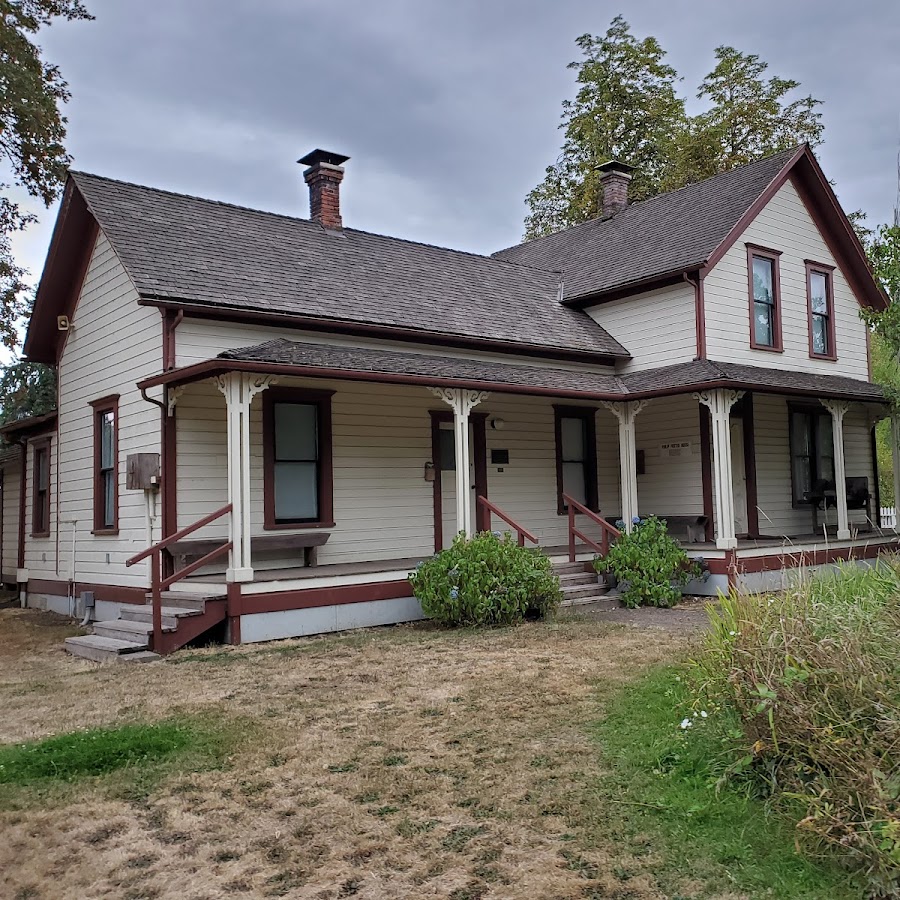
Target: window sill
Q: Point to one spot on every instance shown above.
(767, 349)
(295, 526)
(105, 532)
(40, 534)
(825, 356)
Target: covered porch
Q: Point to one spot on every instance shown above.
(343, 467)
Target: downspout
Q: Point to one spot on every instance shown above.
(150, 511)
(699, 312)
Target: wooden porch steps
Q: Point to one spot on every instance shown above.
(129, 638)
(578, 583)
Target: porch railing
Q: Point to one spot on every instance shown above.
(521, 532)
(158, 584)
(607, 531)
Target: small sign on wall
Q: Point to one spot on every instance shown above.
(675, 448)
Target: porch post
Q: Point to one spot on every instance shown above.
(239, 389)
(462, 402)
(720, 402)
(895, 456)
(626, 412)
(838, 408)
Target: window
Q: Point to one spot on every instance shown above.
(298, 470)
(821, 310)
(576, 456)
(40, 509)
(106, 465)
(765, 298)
(812, 456)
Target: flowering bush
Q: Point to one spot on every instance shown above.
(649, 564)
(486, 580)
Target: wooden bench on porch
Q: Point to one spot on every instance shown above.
(185, 552)
(690, 529)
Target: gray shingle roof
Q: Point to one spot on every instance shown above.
(215, 254)
(445, 370)
(667, 233)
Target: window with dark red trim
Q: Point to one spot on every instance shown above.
(106, 465)
(297, 472)
(765, 298)
(820, 308)
(576, 456)
(40, 508)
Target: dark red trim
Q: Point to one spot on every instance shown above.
(706, 470)
(786, 560)
(750, 464)
(171, 319)
(232, 612)
(211, 367)
(479, 451)
(437, 496)
(828, 272)
(42, 446)
(102, 406)
(309, 598)
(107, 592)
(31, 427)
(322, 401)
(588, 414)
(753, 250)
(364, 329)
(699, 312)
(641, 286)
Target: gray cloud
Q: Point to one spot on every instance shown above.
(449, 111)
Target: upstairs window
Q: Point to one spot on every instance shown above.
(576, 456)
(40, 509)
(812, 457)
(765, 298)
(106, 465)
(821, 311)
(298, 471)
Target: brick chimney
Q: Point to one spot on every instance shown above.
(324, 177)
(614, 179)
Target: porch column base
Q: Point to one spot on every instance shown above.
(726, 543)
(240, 576)
(843, 534)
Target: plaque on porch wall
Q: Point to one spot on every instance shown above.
(675, 448)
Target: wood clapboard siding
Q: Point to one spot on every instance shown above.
(114, 344)
(773, 466)
(12, 470)
(657, 327)
(783, 225)
(670, 485)
(197, 340)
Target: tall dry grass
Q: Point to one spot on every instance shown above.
(813, 675)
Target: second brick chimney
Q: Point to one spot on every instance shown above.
(324, 176)
(614, 179)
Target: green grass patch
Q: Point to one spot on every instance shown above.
(664, 784)
(130, 760)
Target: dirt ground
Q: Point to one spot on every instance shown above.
(404, 762)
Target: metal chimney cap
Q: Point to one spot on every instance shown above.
(614, 167)
(322, 156)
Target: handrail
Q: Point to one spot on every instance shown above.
(172, 538)
(158, 584)
(607, 531)
(521, 532)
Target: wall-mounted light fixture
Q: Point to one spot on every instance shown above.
(498, 424)
(429, 471)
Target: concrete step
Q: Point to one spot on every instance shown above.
(584, 590)
(573, 578)
(602, 602)
(126, 630)
(101, 649)
(170, 614)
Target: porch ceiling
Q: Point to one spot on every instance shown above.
(286, 357)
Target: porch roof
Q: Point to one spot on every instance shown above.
(286, 357)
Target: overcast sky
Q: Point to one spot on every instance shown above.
(448, 110)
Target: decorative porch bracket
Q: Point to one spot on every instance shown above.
(626, 411)
(838, 409)
(462, 402)
(239, 389)
(720, 402)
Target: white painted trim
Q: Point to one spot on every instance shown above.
(626, 412)
(838, 409)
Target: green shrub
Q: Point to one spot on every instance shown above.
(649, 564)
(813, 676)
(486, 580)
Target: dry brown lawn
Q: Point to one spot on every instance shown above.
(396, 763)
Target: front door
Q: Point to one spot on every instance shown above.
(444, 460)
(739, 476)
